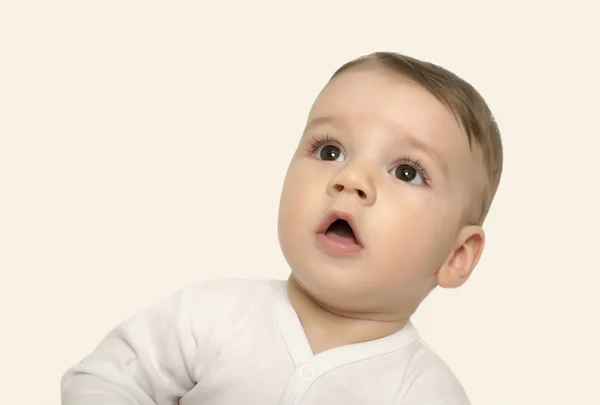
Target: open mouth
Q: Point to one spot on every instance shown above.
(341, 230)
(338, 234)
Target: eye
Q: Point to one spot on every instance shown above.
(329, 152)
(408, 173)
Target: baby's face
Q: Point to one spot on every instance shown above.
(386, 156)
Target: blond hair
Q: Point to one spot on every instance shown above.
(469, 107)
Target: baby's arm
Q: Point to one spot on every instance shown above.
(429, 381)
(148, 359)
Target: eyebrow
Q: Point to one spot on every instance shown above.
(418, 144)
(410, 139)
(323, 120)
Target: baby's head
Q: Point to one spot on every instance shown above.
(402, 158)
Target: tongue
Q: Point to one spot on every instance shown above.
(342, 233)
(350, 240)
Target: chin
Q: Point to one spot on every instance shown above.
(331, 286)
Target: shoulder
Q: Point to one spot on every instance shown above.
(226, 298)
(225, 291)
(429, 380)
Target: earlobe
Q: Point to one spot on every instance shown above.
(463, 259)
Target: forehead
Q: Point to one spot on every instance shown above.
(373, 96)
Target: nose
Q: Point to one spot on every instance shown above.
(354, 180)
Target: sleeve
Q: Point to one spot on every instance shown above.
(435, 391)
(149, 359)
(431, 382)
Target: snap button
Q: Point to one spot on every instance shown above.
(307, 372)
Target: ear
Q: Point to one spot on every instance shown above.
(463, 259)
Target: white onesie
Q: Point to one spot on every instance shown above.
(231, 342)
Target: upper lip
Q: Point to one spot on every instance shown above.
(334, 216)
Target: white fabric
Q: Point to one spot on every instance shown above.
(235, 342)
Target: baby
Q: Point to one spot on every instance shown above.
(384, 200)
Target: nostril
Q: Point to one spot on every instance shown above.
(339, 188)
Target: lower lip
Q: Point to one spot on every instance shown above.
(337, 247)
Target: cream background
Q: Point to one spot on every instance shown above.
(143, 146)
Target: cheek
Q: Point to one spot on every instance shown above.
(295, 197)
(304, 189)
(299, 204)
(413, 241)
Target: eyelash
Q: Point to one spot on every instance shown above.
(321, 140)
(326, 139)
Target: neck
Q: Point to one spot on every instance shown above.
(327, 327)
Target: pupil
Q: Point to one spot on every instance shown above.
(406, 173)
(330, 152)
